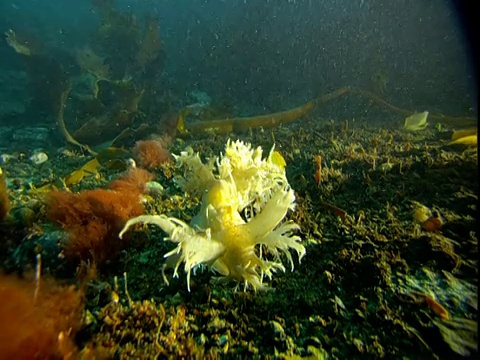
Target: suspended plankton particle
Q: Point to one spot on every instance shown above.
(416, 122)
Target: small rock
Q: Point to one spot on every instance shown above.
(39, 158)
(4, 158)
(154, 188)
(131, 164)
(24, 215)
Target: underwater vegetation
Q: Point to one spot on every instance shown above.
(39, 319)
(151, 154)
(93, 218)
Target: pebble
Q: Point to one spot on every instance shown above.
(131, 164)
(39, 158)
(154, 188)
(4, 158)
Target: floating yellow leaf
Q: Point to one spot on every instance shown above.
(417, 121)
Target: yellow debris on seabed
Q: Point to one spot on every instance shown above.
(464, 137)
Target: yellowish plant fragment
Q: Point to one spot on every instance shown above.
(416, 122)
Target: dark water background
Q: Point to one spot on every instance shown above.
(267, 55)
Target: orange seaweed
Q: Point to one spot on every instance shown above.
(41, 327)
(135, 181)
(151, 154)
(93, 218)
